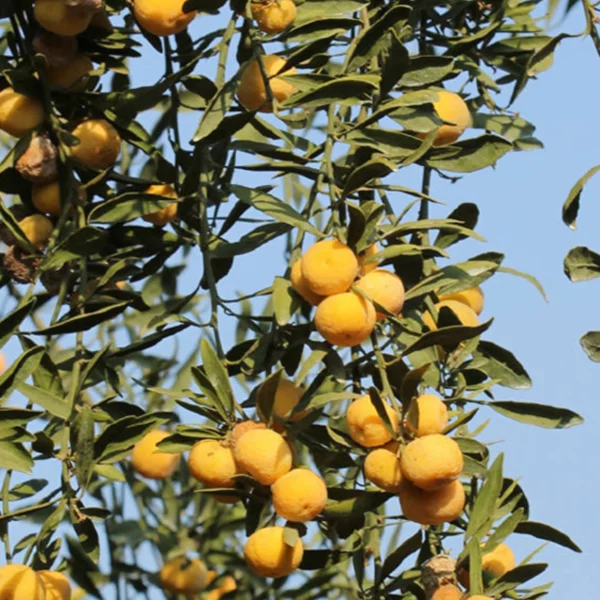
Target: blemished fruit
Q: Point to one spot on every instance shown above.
(37, 229)
(473, 298)
(432, 462)
(251, 91)
(46, 198)
(300, 285)
(212, 463)
(268, 555)
(58, 50)
(148, 462)
(431, 508)
(382, 467)
(432, 414)
(451, 107)
(74, 76)
(57, 586)
(465, 314)
(19, 114)
(19, 582)
(167, 214)
(99, 144)
(162, 17)
(447, 592)
(499, 561)
(345, 319)
(299, 495)
(39, 162)
(184, 575)
(264, 454)
(273, 16)
(365, 426)
(287, 396)
(329, 267)
(367, 267)
(384, 288)
(56, 16)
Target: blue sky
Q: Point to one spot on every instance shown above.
(520, 203)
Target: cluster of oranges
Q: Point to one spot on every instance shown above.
(249, 448)
(21, 582)
(343, 287)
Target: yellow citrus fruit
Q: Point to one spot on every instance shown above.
(99, 144)
(432, 414)
(168, 213)
(162, 17)
(268, 555)
(252, 92)
(478, 597)
(56, 16)
(37, 229)
(385, 288)
(287, 396)
(300, 285)
(227, 585)
(367, 267)
(432, 461)
(499, 561)
(329, 267)
(46, 198)
(184, 575)
(74, 76)
(244, 427)
(345, 319)
(447, 592)
(382, 467)
(473, 298)
(56, 584)
(264, 454)
(19, 114)
(148, 462)
(465, 314)
(212, 463)
(365, 426)
(19, 582)
(450, 107)
(299, 495)
(273, 16)
(434, 507)
(2, 363)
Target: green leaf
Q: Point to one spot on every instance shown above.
(250, 241)
(516, 577)
(82, 442)
(582, 264)
(127, 207)
(404, 550)
(541, 415)
(14, 456)
(27, 489)
(216, 110)
(470, 155)
(274, 208)
(447, 336)
(527, 277)
(590, 343)
(571, 206)
(483, 511)
(312, 10)
(20, 370)
(9, 323)
(316, 560)
(265, 396)
(285, 302)
(82, 243)
(427, 70)
(502, 365)
(55, 405)
(346, 91)
(118, 439)
(548, 533)
(84, 322)
(218, 376)
(475, 573)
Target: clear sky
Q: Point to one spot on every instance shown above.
(520, 203)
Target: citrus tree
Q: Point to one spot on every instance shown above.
(166, 433)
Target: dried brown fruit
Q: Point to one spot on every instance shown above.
(39, 163)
